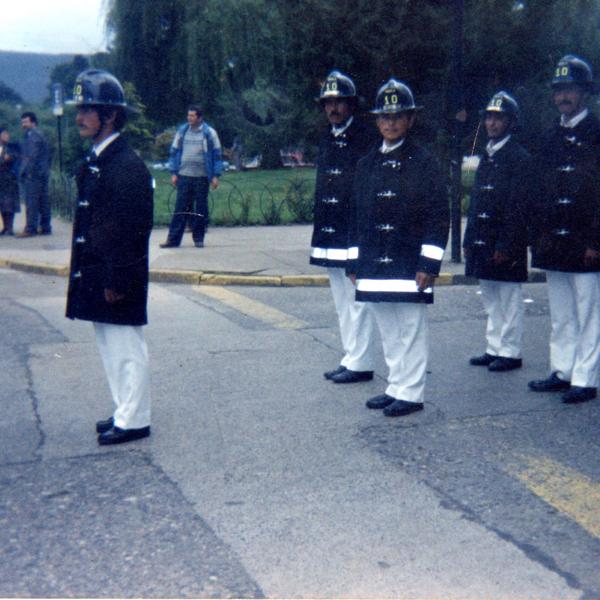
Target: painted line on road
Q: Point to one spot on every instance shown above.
(571, 492)
(252, 308)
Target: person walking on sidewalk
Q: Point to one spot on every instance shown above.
(566, 234)
(9, 184)
(495, 239)
(194, 163)
(34, 174)
(108, 282)
(399, 231)
(346, 140)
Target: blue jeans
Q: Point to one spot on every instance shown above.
(37, 204)
(192, 204)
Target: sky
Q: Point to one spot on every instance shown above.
(53, 26)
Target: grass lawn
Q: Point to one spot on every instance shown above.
(248, 197)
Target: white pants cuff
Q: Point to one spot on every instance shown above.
(574, 299)
(125, 358)
(503, 304)
(405, 338)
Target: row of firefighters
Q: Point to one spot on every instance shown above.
(381, 227)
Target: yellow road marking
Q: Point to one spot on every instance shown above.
(252, 308)
(564, 488)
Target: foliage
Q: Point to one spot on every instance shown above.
(7, 94)
(255, 65)
(138, 127)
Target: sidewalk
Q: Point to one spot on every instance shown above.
(271, 256)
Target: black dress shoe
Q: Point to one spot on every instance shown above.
(551, 384)
(117, 435)
(401, 408)
(102, 426)
(379, 402)
(330, 374)
(199, 244)
(169, 244)
(502, 363)
(482, 361)
(578, 394)
(349, 376)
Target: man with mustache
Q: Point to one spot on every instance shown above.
(108, 281)
(495, 239)
(347, 139)
(565, 223)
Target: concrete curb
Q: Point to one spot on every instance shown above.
(202, 278)
(34, 267)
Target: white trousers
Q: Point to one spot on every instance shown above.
(356, 322)
(405, 337)
(125, 357)
(503, 304)
(575, 316)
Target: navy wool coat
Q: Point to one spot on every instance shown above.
(565, 218)
(111, 231)
(497, 215)
(336, 165)
(400, 224)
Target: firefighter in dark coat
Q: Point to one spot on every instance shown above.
(495, 240)
(108, 282)
(566, 234)
(347, 139)
(399, 232)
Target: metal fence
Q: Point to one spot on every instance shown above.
(290, 202)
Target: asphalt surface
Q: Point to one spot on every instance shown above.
(263, 479)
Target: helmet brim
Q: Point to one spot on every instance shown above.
(322, 99)
(496, 110)
(381, 111)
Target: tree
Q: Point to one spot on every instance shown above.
(255, 65)
(7, 94)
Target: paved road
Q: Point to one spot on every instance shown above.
(263, 479)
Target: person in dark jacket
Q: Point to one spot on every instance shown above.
(108, 282)
(398, 235)
(9, 183)
(346, 140)
(495, 239)
(565, 221)
(34, 174)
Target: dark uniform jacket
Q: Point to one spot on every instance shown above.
(565, 218)
(111, 230)
(335, 172)
(497, 212)
(400, 225)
